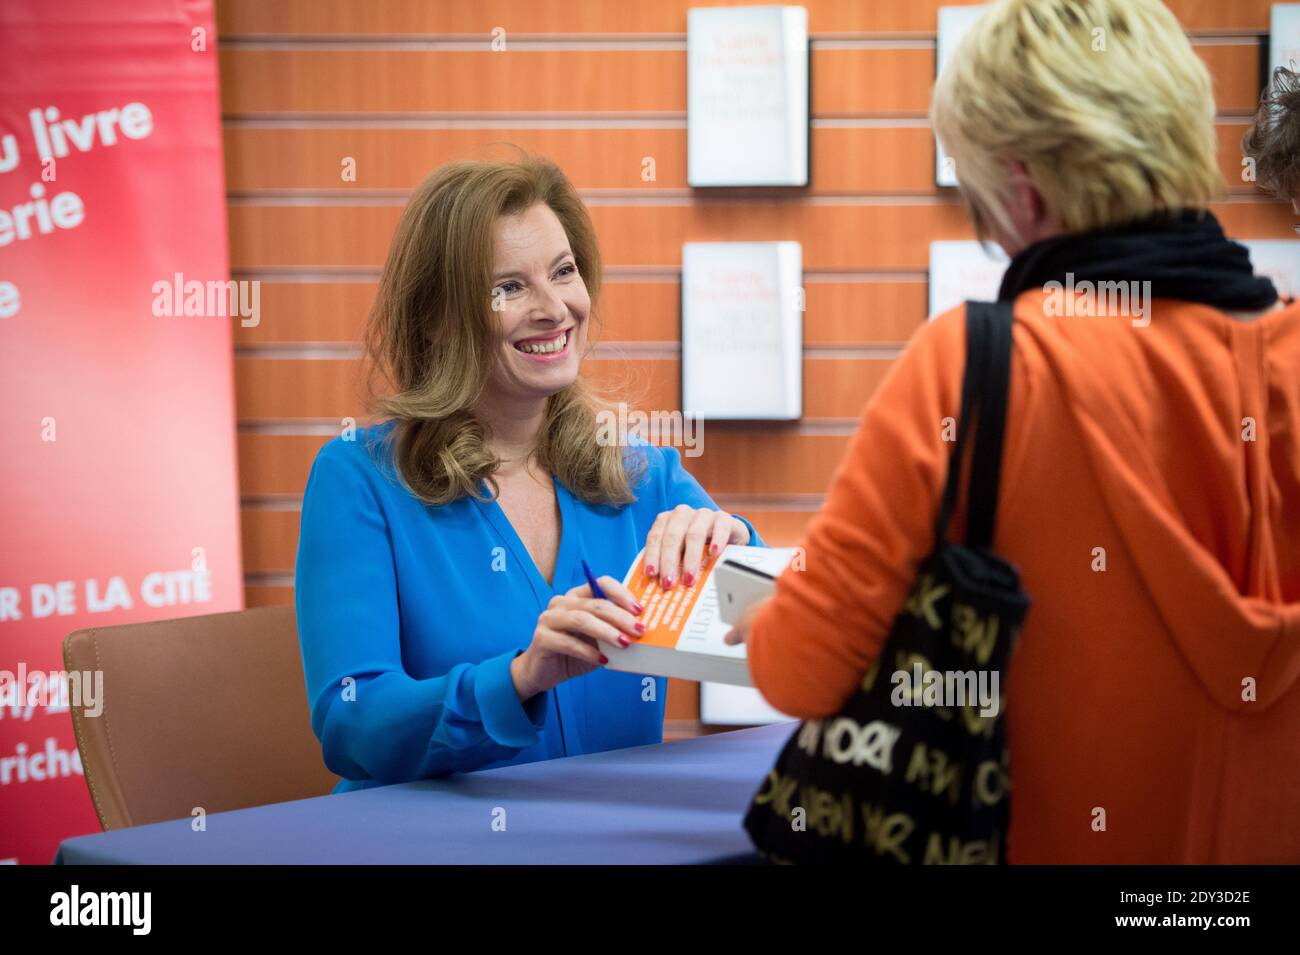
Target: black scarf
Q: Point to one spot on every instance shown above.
(1184, 256)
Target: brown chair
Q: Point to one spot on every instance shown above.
(200, 712)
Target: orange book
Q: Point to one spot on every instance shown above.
(684, 630)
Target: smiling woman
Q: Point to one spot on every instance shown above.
(514, 257)
(444, 618)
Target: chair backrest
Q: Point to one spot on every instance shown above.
(202, 712)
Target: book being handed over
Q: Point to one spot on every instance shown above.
(684, 626)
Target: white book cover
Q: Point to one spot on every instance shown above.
(742, 330)
(684, 628)
(953, 25)
(1284, 38)
(1278, 260)
(723, 705)
(963, 271)
(747, 96)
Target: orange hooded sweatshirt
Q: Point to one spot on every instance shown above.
(1151, 499)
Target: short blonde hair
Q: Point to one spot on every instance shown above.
(1103, 101)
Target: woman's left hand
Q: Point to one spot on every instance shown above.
(679, 538)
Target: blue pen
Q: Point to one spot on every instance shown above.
(591, 582)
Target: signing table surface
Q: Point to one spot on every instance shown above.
(679, 802)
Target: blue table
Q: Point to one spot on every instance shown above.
(679, 802)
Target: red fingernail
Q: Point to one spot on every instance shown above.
(649, 570)
(713, 548)
(668, 583)
(624, 641)
(688, 578)
(603, 659)
(640, 627)
(638, 609)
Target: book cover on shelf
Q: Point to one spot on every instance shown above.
(747, 105)
(742, 331)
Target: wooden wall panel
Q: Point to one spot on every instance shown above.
(452, 81)
(291, 312)
(275, 466)
(863, 81)
(871, 236)
(236, 18)
(270, 540)
(846, 161)
(262, 595)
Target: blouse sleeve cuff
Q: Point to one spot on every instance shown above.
(506, 718)
(754, 539)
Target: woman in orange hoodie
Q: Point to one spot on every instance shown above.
(1151, 475)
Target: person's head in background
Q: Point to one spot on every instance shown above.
(1067, 116)
(482, 317)
(1273, 141)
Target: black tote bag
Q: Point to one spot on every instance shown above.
(912, 771)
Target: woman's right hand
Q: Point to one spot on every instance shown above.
(566, 642)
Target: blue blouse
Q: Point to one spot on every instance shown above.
(409, 615)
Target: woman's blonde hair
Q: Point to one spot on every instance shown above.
(432, 337)
(1103, 101)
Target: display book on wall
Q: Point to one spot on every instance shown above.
(952, 25)
(742, 310)
(747, 96)
(747, 125)
(1284, 37)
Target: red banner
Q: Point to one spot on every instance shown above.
(117, 443)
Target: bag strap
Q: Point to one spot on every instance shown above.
(985, 384)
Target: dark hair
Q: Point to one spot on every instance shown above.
(1274, 140)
